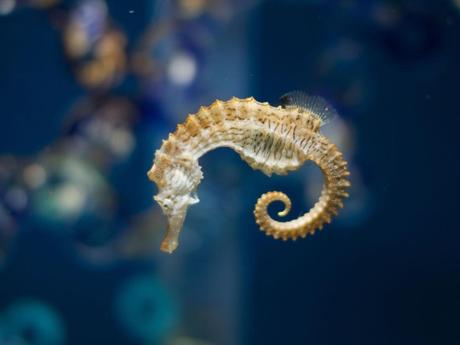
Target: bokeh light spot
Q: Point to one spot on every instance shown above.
(182, 69)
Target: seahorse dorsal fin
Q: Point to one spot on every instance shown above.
(314, 104)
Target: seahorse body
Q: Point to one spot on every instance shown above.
(271, 139)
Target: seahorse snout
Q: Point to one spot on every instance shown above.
(168, 246)
(175, 223)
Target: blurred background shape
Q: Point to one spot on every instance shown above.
(33, 322)
(145, 309)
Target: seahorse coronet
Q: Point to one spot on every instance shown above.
(270, 139)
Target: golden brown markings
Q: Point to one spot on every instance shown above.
(271, 139)
(289, 150)
(192, 125)
(171, 146)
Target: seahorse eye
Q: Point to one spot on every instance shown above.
(166, 204)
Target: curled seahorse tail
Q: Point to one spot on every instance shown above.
(335, 172)
(264, 220)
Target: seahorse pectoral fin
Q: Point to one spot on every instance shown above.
(194, 199)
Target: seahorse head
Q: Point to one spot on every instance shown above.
(177, 179)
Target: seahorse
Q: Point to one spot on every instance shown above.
(273, 139)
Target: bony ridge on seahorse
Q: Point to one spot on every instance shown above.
(271, 139)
